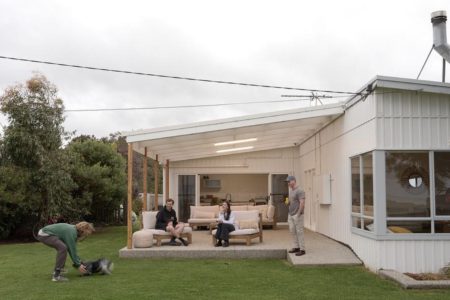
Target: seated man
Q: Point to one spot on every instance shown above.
(166, 219)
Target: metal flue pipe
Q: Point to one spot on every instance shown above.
(439, 19)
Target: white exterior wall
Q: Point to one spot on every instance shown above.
(271, 161)
(328, 152)
(412, 120)
(387, 121)
(409, 121)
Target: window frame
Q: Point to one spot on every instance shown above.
(379, 202)
(361, 214)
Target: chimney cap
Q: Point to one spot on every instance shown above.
(439, 13)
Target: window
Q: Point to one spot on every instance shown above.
(362, 191)
(442, 191)
(356, 186)
(407, 184)
(413, 193)
(442, 183)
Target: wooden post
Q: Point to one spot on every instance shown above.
(166, 179)
(156, 174)
(144, 186)
(130, 195)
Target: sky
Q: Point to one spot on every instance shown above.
(333, 45)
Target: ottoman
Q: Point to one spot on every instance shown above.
(143, 238)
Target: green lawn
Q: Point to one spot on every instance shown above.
(25, 272)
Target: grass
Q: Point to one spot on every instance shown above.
(25, 274)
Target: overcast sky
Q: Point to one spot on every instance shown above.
(338, 45)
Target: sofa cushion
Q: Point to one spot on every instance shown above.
(248, 224)
(213, 208)
(162, 232)
(261, 208)
(239, 207)
(247, 215)
(204, 215)
(194, 221)
(143, 238)
(149, 219)
(239, 232)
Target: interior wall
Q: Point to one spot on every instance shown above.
(241, 187)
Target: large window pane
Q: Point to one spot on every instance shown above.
(186, 196)
(356, 188)
(442, 226)
(409, 226)
(442, 182)
(368, 184)
(407, 184)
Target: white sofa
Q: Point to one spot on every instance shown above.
(248, 226)
(141, 238)
(205, 215)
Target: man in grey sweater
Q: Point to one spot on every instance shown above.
(296, 216)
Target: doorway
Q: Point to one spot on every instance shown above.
(279, 193)
(186, 196)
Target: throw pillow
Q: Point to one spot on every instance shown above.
(248, 224)
(398, 229)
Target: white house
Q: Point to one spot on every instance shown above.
(375, 168)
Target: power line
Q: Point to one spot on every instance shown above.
(173, 77)
(307, 98)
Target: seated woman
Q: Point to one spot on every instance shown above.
(225, 226)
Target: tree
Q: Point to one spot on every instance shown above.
(99, 173)
(31, 153)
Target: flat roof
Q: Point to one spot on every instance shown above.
(278, 129)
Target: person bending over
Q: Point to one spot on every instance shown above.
(225, 225)
(63, 237)
(166, 219)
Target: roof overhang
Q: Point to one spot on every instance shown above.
(396, 83)
(279, 129)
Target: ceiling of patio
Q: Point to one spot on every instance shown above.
(279, 129)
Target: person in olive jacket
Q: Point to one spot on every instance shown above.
(63, 237)
(166, 220)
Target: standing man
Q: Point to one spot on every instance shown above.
(296, 216)
(166, 220)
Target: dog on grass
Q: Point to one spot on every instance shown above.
(100, 266)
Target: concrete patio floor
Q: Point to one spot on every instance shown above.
(320, 250)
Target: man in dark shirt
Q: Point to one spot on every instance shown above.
(166, 219)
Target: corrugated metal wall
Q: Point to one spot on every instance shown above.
(412, 120)
(328, 152)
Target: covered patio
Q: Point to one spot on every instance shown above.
(321, 250)
(192, 144)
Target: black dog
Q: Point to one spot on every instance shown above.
(101, 266)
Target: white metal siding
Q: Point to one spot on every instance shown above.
(328, 152)
(390, 119)
(412, 120)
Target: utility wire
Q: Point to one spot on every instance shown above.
(186, 106)
(174, 77)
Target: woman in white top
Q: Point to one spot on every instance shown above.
(225, 225)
